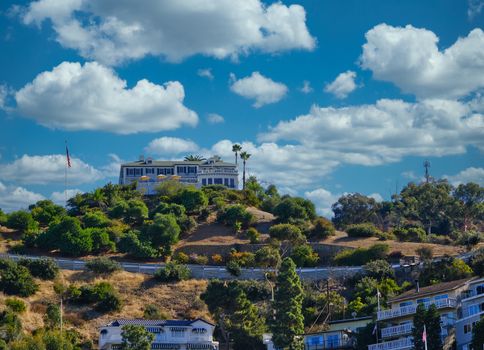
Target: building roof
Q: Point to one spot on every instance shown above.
(171, 163)
(349, 320)
(147, 323)
(430, 290)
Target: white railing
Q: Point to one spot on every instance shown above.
(404, 343)
(395, 331)
(411, 309)
(218, 171)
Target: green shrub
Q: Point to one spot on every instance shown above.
(103, 265)
(152, 312)
(45, 212)
(286, 232)
(425, 253)
(379, 269)
(172, 272)
(22, 221)
(10, 325)
(132, 245)
(3, 220)
(164, 232)
(181, 258)
(362, 230)
(304, 256)
(361, 256)
(52, 317)
(101, 241)
(412, 234)
(253, 235)
(110, 302)
(192, 199)
(438, 239)
(322, 228)
(16, 280)
(268, 256)
(16, 305)
(295, 208)
(233, 268)
(103, 295)
(95, 219)
(244, 259)
(235, 213)
(43, 268)
(477, 262)
(469, 238)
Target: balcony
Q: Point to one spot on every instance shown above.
(335, 344)
(405, 343)
(411, 309)
(396, 331)
(217, 171)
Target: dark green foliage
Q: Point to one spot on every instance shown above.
(16, 305)
(52, 317)
(424, 253)
(367, 288)
(67, 236)
(136, 212)
(361, 256)
(316, 302)
(43, 268)
(478, 335)
(10, 326)
(192, 199)
(119, 210)
(131, 244)
(411, 234)
(101, 241)
(469, 238)
(477, 262)
(233, 268)
(288, 325)
(304, 256)
(322, 228)
(253, 235)
(45, 212)
(379, 269)
(268, 256)
(172, 272)
(431, 319)
(444, 270)
(287, 232)
(3, 220)
(295, 208)
(164, 232)
(235, 213)
(470, 204)
(365, 337)
(136, 338)
(95, 219)
(362, 230)
(103, 265)
(16, 280)
(353, 209)
(21, 220)
(102, 294)
(169, 188)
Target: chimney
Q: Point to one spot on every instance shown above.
(417, 286)
(141, 158)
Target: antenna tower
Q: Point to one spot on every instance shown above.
(426, 165)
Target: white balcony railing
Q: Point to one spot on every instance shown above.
(396, 331)
(411, 309)
(218, 171)
(404, 343)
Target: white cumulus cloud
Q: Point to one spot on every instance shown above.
(60, 197)
(343, 85)
(306, 88)
(15, 198)
(256, 86)
(115, 31)
(471, 174)
(214, 118)
(92, 97)
(205, 73)
(171, 146)
(323, 200)
(410, 58)
(47, 169)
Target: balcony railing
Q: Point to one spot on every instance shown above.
(218, 171)
(396, 331)
(404, 343)
(336, 344)
(411, 309)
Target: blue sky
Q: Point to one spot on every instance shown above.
(387, 84)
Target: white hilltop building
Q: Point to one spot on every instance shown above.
(149, 173)
(169, 334)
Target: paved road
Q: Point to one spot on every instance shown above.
(207, 272)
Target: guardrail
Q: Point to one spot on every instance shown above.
(205, 272)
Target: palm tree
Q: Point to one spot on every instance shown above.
(236, 148)
(192, 158)
(244, 156)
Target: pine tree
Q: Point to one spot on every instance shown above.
(247, 326)
(418, 327)
(432, 322)
(288, 326)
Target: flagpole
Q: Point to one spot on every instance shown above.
(65, 175)
(378, 310)
(424, 336)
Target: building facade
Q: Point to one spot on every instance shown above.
(396, 324)
(472, 310)
(169, 334)
(149, 173)
(340, 335)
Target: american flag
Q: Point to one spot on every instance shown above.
(68, 158)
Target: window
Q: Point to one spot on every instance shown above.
(467, 328)
(332, 341)
(218, 181)
(406, 303)
(472, 310)
(440, 297)
(423, 300)
(178, 332)
(210, 181)
(226, 182)
(480, 289)
(232, 183)
(192, 169)
(204, 182)
(150, 171)
(181, 169)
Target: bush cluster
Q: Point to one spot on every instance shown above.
(172, 272)
(103, 265)
(361, 256)
(362, 230)
(411, 234)
(103, 295)
(235, 213)
(43, 268)
(16, 279)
